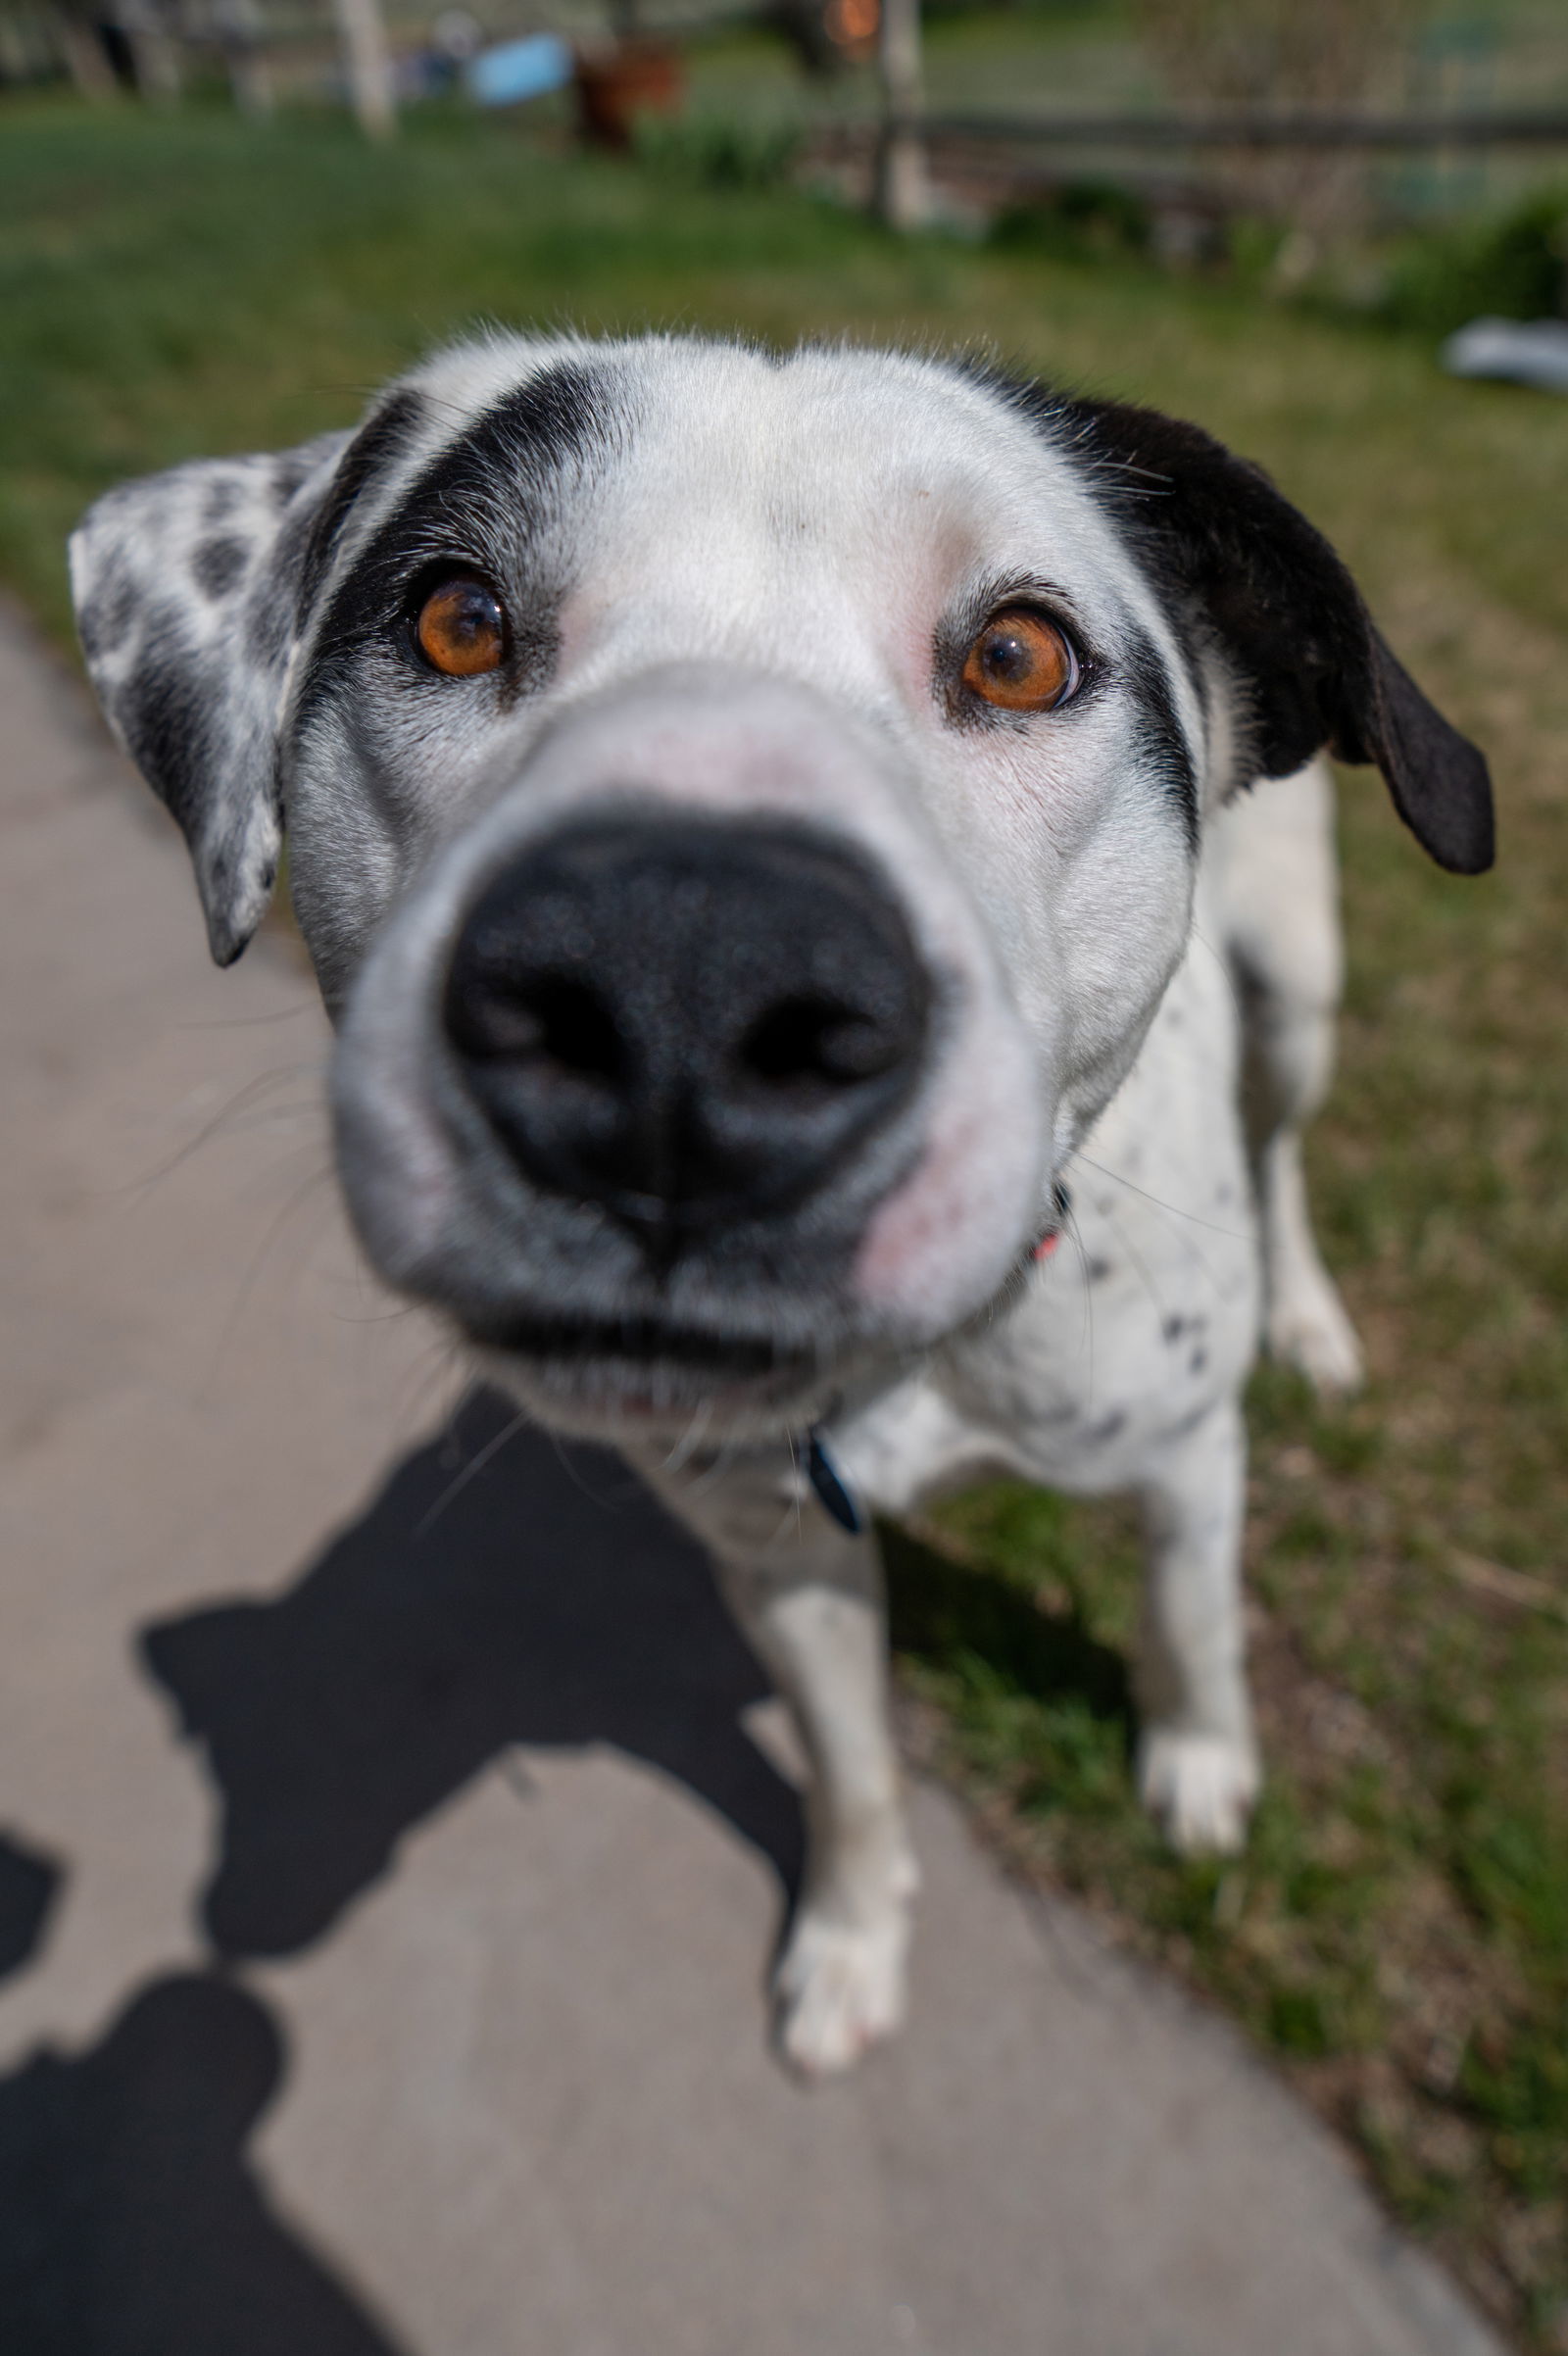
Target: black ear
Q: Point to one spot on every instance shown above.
(1290, 621)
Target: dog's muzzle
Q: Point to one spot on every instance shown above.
(691, 1022)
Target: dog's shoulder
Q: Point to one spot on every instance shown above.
(1146, 1313)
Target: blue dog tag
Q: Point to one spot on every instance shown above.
(831, 1491)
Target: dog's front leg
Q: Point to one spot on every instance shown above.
(809, 1598)
(1198, 1759)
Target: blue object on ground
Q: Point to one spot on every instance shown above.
(1530, 351)
(518, 70)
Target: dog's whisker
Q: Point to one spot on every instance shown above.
(1086, 1329)
(310, 1185)
(310, 1006)
(218, 1125)
(691, 1439)
(469, 1472)
(1234, 1235)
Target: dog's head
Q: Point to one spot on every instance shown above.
(743, 812)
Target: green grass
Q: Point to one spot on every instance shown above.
(1398, 1932)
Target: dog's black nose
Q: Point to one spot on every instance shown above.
(691, 1021)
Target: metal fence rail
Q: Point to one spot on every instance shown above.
(1256, 130)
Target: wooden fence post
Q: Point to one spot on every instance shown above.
(367, 65)
(238, 28)
(155, 57)
(903, 189)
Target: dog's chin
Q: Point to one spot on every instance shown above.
(638, 1380)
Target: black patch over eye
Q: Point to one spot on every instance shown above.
(460, 627)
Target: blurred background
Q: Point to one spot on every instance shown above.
(224, 222)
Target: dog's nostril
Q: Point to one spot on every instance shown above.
(576, 1029)
(546, 1018)
(807, 1039)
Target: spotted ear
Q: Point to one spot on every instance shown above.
(1313, 667)
(187, 588)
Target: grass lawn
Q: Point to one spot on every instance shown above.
(1398, 1933)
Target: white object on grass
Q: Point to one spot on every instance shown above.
(1530, 351)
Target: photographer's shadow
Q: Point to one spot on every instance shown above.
(501, 1589)
(130, 2218)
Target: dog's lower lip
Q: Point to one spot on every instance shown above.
(641, 1340)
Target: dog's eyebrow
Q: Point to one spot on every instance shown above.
(497, 469)
(385, 437)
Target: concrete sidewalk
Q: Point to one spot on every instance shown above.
(395, 1834)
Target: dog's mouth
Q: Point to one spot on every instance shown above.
(644, 1343)
(647, 1372)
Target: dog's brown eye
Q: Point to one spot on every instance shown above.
(462, 629)
(1021, 662)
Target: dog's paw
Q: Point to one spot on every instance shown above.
(1201, 1788)
(840, 1989)
(1308, 1328)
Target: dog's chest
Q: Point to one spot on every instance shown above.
(1144, 1315)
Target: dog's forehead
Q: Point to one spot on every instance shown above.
(871, 462)
(885, 473)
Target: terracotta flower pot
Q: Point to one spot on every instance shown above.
(616, 85)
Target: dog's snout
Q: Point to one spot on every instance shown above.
(686, 1020)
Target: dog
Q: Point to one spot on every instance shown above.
(822, 996)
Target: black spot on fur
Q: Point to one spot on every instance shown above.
(1098, 1270)
(380, 440)
(219, 565)
(1174, 1328)
(164, 710)
(1101, 1434)
(222, 498)
(1197, 1361)
(1163, 740)
(105, 621)
(480, 501)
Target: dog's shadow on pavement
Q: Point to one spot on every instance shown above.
(501, 1589)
